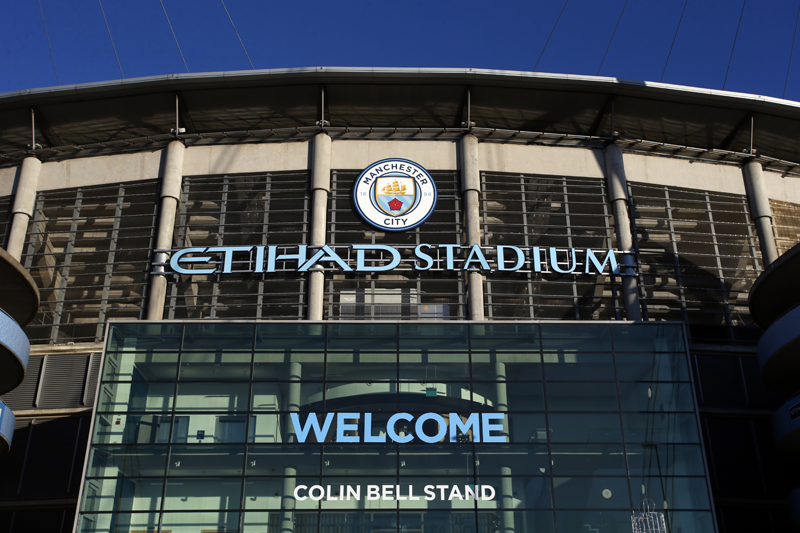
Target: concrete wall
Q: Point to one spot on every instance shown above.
(556, 160)
(434, 155)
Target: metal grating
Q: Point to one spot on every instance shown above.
(6, 205)
(425, 295)
(698, 257)
(786, 224)
(526, 210)
(246, 210)
(88, 250)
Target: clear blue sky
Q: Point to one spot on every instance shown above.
(507, 35)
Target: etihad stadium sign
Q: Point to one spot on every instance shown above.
(382, 258)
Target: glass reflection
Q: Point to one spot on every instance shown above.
(588, 459)
(652, 367)
(212, 397)
(128, 461)
(124, 428)
(665, 459)
(206, 460)
(140, 366)
(120, 397)
(582, 397)
(223, 366)
(592, 492)
(580, 427)
(571, 366)
(122, 494)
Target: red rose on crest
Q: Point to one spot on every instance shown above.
(395, 205)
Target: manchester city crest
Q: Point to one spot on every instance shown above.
(395, 194)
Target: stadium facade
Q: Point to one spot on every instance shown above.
(373, 300)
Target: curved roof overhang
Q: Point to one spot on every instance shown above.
(253, 106)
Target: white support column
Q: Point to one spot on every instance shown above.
(320, 189)
(170, 195)
(760, 210)
(618, 196)
(24, 202)
(471, 186)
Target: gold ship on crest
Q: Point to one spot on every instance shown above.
(394, 188)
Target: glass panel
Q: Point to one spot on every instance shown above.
(656, 397)
(658, 427)
(588, 460)
(275, 460)
(135, 397)
(268, 428)
(290, 336)
(579, 427)
(216, 460)
(506, 366)
(200, 522)
(517, 492)
(666, 459)
(505, 337)
(582, 397)
(212, 397)
(288, 366)
(144, 337)
(362, 336)
(129, 461)
(592, 492)
(649, 337)
(436, 397)
(594, 521)
(432, 460)
(117, 522)
(526, 427)
(365, 459)
(220, 335)
(456, 521)
(221, 366)
(358, 521)
(690, 521)
(573, 337)
(673, 492)
(512, 460)
(360, 366)
(140, 366)
(202, 494)
(209, 428)
(520, 396)
(442, 337)
(425, 366)
(534, 521)
(275, 396)
(571, 366)
(122, 494)
(652, 367)
(278, 493)
(141, 429)
(270, 522)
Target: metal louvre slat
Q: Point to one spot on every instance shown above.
(692, 266)
(532, 210)
(256, 209)
(88, 250)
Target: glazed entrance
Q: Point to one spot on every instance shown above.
(379, 427)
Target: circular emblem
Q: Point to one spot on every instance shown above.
(395, 194)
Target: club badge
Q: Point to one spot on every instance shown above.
(395, 194)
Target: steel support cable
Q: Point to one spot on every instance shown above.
(791, 52)
(110, 37)
(675, 38)
(733, 48)
(551, 35)
(237, 34)
(174, 36)
(48, 42)
(612, 37)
